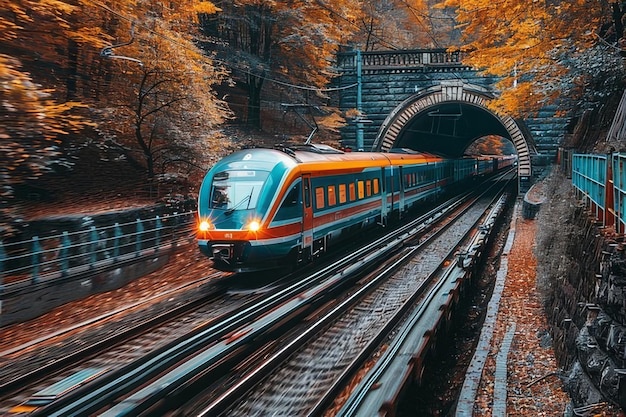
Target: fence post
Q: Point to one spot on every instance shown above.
(174, 228)
(85, 240)
(140, 229)
(35, 259)
(117, 235)
(3, 257)
(64, 254)
(158, 228)
(93, 247)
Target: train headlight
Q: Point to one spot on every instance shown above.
(205, 226)
(253, 226)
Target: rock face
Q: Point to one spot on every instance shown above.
(582, 276)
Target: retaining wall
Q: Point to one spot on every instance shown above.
(582, 271)
(29, 298)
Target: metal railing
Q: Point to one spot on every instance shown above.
(399, 59)
(60, 255)
(619, 191)
(589, 177)
(601, 182)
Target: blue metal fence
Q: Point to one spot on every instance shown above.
(95, 247)
(589, 173)
(601, 181)
(619, 191)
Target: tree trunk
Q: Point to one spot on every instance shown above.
(72, 57)
(150, 165)
(618, 13)
(255, 84)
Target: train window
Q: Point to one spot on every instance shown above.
(220, 197)
(361, 188)
(319, 198)
(375, 184)
(332, 197)
(414, 178)
(352, 192)
(368, 188)
(342, 193)
(291, 206)
(237, 190)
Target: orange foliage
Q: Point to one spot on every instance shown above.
(55, 60)
(293, 44)
(124, 78)
(491, 145)
(536, 47)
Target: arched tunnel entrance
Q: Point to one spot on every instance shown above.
(446, 119)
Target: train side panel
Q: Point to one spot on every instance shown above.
(291, 208)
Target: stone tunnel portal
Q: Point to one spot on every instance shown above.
(445, 120)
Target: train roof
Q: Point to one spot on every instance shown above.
(321, 153)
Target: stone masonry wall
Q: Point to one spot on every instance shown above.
(582, 277)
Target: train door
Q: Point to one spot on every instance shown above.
(401, 183)
(391, 188)
(307, 217)
(383, 196)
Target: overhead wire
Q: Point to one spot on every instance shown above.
(394, 47)
(265, 78)
(219, 61)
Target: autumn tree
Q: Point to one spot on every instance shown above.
(491, 145)
(398, 24)
(38, 109)
(66, 86)
(289, 43)
(541, 51)
(285, 50)
(68, 48)
(35, 112)
(163, 111)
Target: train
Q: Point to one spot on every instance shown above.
(264, 208)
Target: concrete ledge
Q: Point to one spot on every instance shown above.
(533, 199)
(25, 302)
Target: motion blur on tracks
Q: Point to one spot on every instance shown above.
(267, 208)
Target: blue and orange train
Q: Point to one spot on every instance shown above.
(267, 208)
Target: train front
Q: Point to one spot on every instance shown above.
(234, 199)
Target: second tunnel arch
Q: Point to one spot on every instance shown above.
(441, 117)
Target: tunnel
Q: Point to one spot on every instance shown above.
(446, 119)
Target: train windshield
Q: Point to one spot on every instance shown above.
(237, 189)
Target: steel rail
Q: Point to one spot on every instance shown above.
(220, 340)
(392, 370)
(330, 277)
(106, 389)
(220, 404)
(18, 383)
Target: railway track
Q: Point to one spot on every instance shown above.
(32, 373)
(405, 353)
(175, 370)
(343, 343)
